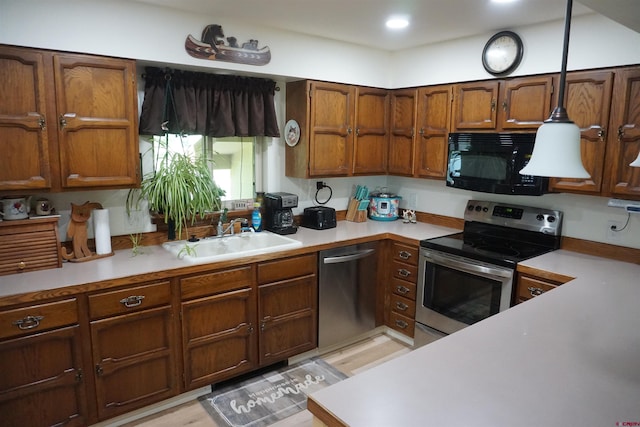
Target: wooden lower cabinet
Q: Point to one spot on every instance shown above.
(401, 288)
(42, 381)
(218, 329)
(529, 286)
(133, 347)
(287, 307)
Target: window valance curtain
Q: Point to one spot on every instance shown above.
(197, 103)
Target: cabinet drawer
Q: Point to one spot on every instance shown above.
(405, 253)
(401, 323)
(402, 305)
(529, 287)
(288, 268)
(404, 271)
(217, 282)
(403, 288)
(129, 299)
(37, 318)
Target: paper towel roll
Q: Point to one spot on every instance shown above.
(101, 231)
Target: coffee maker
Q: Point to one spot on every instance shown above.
(278, 216)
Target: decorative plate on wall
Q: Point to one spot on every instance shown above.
(292, 133)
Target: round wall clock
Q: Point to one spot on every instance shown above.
(502, 53)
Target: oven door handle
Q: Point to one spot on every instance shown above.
(469, 266)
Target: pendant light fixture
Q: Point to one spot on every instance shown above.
(556, 152)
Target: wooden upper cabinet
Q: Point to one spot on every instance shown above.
(475, 105)
(587, 99)
(371, 140)
(433, 121)
(67, 121)
(503, 105)
(623, 143)
(24, 129)
(525, 102)
(343, 129)
(402, 131)
(97, 114)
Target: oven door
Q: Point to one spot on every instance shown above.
(455, 292)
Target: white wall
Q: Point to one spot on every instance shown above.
(156, 36)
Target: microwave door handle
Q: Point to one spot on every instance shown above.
(469, 267)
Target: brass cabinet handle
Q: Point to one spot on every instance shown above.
(401, 306)
(402, 289)
(349, 130)
(493, 105)
(602, 133)
(22, 265)
(402, 324)
(132, 301)
(535, 291)
(99, 370)
(42, 123)
(63, 122)
(28, 322)
(404, 254)
(358, 131)
(404, 273)
(504, 105)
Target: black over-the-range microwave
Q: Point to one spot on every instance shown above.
(491, 163)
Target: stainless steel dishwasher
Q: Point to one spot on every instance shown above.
(347, 293)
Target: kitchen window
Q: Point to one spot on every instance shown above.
(232, 163)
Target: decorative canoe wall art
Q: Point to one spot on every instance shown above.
(216, 47)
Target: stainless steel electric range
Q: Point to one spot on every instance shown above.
(466, 277)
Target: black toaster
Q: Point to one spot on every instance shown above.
(319, 217)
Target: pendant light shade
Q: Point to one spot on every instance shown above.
(636, 162)
(556, 152)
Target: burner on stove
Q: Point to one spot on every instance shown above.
(502, 250)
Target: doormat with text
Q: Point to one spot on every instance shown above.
(268, 398)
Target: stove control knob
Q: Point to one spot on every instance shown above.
(478, 208)
(551, 218)
(540, 217)
(485, 209)
(470, 208)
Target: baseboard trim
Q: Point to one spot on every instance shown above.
(155, 408)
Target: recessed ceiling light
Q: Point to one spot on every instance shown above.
(397, 23)
(503, 1)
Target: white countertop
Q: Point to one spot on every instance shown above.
(568, 357)
(155, 258)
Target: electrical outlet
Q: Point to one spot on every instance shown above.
(612, 226)
(240, 205)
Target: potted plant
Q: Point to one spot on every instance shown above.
(180, 188)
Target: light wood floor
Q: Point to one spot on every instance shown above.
(350, 360)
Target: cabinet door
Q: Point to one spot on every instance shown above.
(134, 359)
(371, 140)
(402, 131)
(331, 129)
(96, 103)
(475, 105)
(588, 97)
(434, 119)
(42, 380)
(526, 102)
(219, 339)
(24, 131)
(623, 144)
(287, 316)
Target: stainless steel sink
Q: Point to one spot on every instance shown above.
(230, 247)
